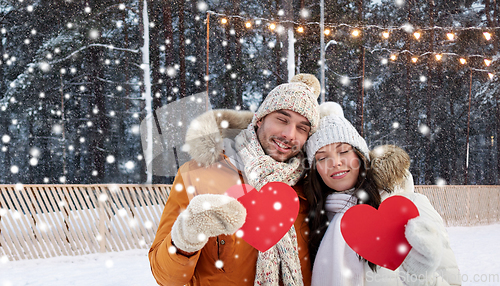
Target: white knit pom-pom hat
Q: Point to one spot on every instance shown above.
(334, 128)
(300, 95)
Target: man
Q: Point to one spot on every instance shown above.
(195, 243)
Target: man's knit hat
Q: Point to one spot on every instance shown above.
(300, 95)
(334, 128)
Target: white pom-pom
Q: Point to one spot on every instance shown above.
(330, 108)
(310, 80)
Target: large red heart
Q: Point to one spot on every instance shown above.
(379, 235)
(270, 212)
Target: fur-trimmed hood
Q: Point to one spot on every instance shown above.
(205, 133)
(389, 166)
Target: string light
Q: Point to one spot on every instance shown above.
(356, 32)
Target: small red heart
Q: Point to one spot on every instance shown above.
(270, 212)
(379, 235)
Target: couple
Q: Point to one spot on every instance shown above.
(196, 242)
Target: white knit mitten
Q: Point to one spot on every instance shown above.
(206, 216)
(427, 247)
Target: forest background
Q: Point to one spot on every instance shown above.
(77, 78)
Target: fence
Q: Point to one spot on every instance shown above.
(464, 205)
(40, 221)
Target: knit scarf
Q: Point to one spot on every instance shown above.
(261, 169)
(336, 264)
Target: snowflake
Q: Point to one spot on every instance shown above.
(206, 205)
(402, 248)
(44, 66)
(14, 169)
(440, 182)
(202, 237)
(179, 187)
(103, 197)
(110, 159)
(6, 139)
(130, 165)
(304, 13)
(132, 223)
(191, 190)
(172, 249)
(57, 129)
(94, 34)
(219, 264)
(277, 206)
(109, 263)
(424, 129)
(122, 212)
(202, 6)
(239, 233)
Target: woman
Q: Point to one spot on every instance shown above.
(342, 176)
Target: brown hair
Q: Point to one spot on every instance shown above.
(316, 192)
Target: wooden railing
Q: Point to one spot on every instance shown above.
(464, 205)
(40, 221)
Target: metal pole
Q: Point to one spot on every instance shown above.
(208, 50)
(322, 60)
(468, 129)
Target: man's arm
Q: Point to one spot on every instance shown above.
(168, 265)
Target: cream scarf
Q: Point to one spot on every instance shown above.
(336, 264)
(261, 169)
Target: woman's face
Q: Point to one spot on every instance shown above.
(338, 165)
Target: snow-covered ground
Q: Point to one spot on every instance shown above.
(477, 250)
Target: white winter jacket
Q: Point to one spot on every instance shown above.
(447, 272)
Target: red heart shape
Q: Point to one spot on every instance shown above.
(379, 235)
(270, 212)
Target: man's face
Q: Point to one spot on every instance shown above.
(282, 134)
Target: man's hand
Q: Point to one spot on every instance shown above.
(206, 216)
